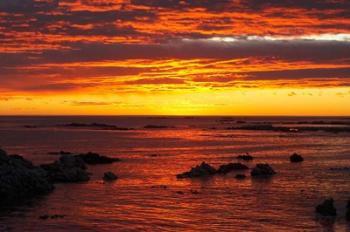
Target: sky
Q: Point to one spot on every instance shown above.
(174, 57)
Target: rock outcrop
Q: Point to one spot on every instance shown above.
(327, 208)
(67, 169)
(20, 179)
(202, 170)
(245, 157)
(295, 158)
(94, 158)
(226, 168)
(262, 170)
(109, 176)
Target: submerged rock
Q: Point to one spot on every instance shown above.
(295, 158)
(246, 157)
(94, 158)
(327, 208)
(226, 168)
(20, 179)
(262, 170)
(67, 169)
(199, 171)
(109, 176)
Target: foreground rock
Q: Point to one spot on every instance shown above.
(246, 157)
(327, 208)
(20, 179)
(202, 170)
(240, 176)
(295, 158)
(109, 176)
(262, 170)
(94, 158)
(348, 210)
(226, 168)
(67, 169)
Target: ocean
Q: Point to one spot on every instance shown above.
(148, 196)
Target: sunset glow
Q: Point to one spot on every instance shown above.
(172, 57)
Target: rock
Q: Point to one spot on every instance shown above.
(156, 127)
(262, 170)
(67, 169)
(246, 157)
(20, 179)
(159, 186)
(226, 168)
(109, 176)
(94, 158)
(61, 153)
(295, 158)
(348, 211)
(327, 208)
(195, 192)
(240, 176)
(180, 192)
(199, 171)
(54, 216)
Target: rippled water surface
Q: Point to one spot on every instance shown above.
(148, 197)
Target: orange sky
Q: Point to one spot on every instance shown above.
(177, 57)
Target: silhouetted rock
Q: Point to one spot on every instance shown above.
(240, 176)
(327, 208)
(262, 170)
(226, 168)
(54, 216)
(195, 192)
(67, 169)
(295, 158)
(348, 210)
(96, 126)
(61, 153)
(94, 158)
(246, 157)
(109, 176)
(199, 171)
(20, 179)
(156, 127)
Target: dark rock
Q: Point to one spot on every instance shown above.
(96, 126)
(262, 170)
(67, 169)
(195, 192)
(159, 186)
(240, 176)
(109, 176)
(327, 208)
(44, 217)
(348, 211)
(156, 127)
(54, 216)
(61, 153)
(226, 168)
(180, 192)
(295, 158)
(20, 179)
(199, 171)
(94, 158)
(246, 157)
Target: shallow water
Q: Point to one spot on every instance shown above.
(138, 201)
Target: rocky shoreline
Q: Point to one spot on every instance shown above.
(20, 179)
